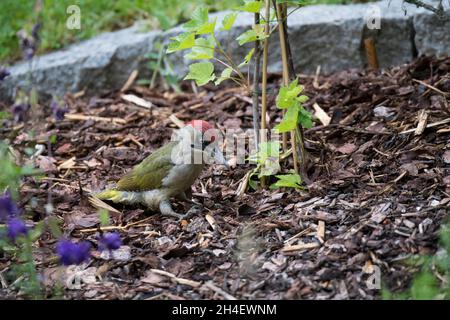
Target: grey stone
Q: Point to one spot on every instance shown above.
(432, 34)
(99, 64)
(330, 36)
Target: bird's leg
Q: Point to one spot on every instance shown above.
(166, 210)
(184, 197)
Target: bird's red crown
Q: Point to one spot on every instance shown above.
(202, 126)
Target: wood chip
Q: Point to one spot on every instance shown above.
(174, 278)
(82, 117)
(211, 221)
(445, 94)
(300, 246)
(430, 125)
(137, 101)
(179, 123)
(321, 231)
(321, 115)
(133, 76)
(422, 122)
(99, 204)
(68, 164)
(218, 290)
(298, 235)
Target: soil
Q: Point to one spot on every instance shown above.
(379, 190)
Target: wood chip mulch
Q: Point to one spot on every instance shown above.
(380, 190)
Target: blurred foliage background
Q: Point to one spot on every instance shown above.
(96, 16)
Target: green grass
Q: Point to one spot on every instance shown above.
(96, 16)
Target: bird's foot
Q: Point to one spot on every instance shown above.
(166, 210)
(183, 196)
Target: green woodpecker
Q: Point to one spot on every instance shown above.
(170, 171)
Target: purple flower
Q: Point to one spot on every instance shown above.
(16, 227)
(73, 253)
(109, 241)
(35, 32)
(20, 110)
(59, 109)
(8, 208)
(27, 45)
(3, 73)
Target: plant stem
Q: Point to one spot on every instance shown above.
(255, 91)
(228, 58)
(284, 60)
(278, 11)
(158, 66)
(288, 44)
(263, 137)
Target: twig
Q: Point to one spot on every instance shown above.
(255, 91)
(301, 246)
(82, 117)
(122, 228)
(434, 124)
(264, 79)
(438, 11)
(130, 81)
(174, 278)
(298, 235)
(137, 101)
(284, 58)
(218, 290)
(445, 94)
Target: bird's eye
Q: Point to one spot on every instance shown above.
(205, 144)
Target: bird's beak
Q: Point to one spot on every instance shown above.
(219, 157)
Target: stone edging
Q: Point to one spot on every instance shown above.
(329, 36)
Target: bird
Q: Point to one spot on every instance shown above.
(169, 171)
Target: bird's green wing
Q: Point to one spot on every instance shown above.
(148, 175)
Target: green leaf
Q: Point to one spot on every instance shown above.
(201, 72)
(226, 74)
(253, 184)
(203, 49)
(256, 33)
(288, 96)
(287, 180)
(228, 21)
(181, 42)
(164, 21)
(270, 167)
(302, 99)
(305, 119)
(250, 6)
(199, 23)
(53, 139)
(36, 232)
(207, 28)
(247, 36)
(103, 216)
(143, 82)
(289, 121)
(198, 18)
(247, 58)
(54, 226)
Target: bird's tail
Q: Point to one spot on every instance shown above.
(110, 194)
(117, 196)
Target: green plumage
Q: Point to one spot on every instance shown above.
(109, 194)
(148, 175)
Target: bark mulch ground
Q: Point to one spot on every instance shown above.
(380, 190)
